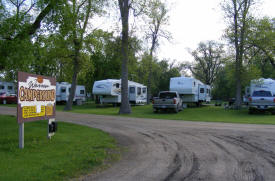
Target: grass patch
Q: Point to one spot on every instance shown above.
(73, 151)
(205, 113)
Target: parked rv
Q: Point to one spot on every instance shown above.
(63, 92)
(167, 100)
(7, 87)
(109, 92)
(261, 95)
(190, 90)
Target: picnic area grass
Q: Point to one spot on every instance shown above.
(73, 151)
(205, 113)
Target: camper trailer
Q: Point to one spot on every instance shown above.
(63, 92)
(7, 87)
(190, 89)
(109, 92)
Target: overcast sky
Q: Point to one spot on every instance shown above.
(198, 20)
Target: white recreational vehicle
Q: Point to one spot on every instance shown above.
(259, 84)
(7, 87)
(190, 89)
(63, 92)
(109, 91)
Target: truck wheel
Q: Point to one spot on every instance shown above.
(250, 111)
(155, 110)
(273, 112)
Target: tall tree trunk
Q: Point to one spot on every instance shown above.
(124, 11)
(74, 78)
(149, 83)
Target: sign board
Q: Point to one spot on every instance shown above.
(36, 97)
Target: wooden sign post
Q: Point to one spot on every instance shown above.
(35, 100)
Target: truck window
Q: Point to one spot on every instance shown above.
(201, 90)
(82, 91)
(138, 91)
(262, 93)
(167, 95)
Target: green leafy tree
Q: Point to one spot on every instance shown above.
(158, 19)
(209, 59)
(238, 15)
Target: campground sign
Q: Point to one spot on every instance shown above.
(35, 99)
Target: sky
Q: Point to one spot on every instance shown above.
(199, 20)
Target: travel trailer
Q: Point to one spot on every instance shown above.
(190, 89)
(63, 92)
(109, 92)
(7, 87)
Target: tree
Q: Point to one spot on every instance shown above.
(209, 58)
(158, 18)
(17, 29)
(238, 14)
(261, 41)
(76, 15)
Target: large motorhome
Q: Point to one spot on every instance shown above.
(63, 92)
(190, 89)
(109, 91)
(7, 87)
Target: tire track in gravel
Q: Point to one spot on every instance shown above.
(167, 150)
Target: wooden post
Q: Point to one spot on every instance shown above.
(21, 135)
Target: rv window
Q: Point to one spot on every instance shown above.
(116, 85)
(132, 90)
(10, 87)
(82, 91)
(2, 87)
(201, 90)
(144, 90)
(138, 90)
(194, 84)
(63, 89)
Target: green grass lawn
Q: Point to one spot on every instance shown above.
(205, 113)
(74, 150)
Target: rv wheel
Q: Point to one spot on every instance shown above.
(250, 111)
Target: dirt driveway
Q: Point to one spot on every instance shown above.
(181, 150)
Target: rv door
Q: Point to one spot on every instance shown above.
(202, 92)
(132, 93)
(63, 93)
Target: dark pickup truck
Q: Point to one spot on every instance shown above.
(167, 100)
(261, 100)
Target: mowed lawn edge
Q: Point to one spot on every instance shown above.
(73, 151)
(203, 114)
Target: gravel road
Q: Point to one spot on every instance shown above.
(164, 150)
